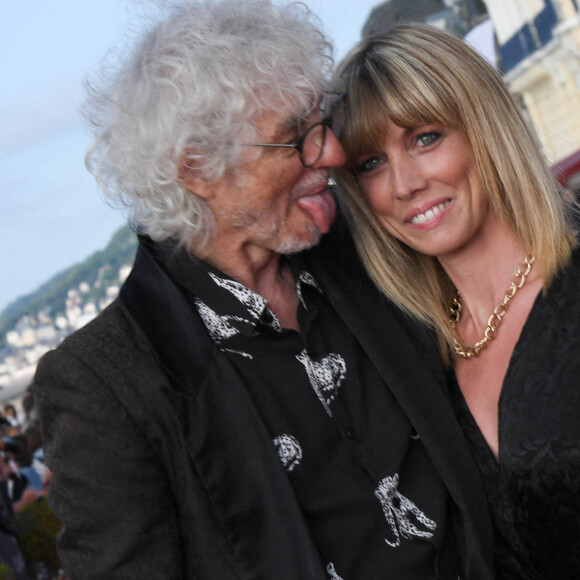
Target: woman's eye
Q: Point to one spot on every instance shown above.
(426, 139)
(368, 165)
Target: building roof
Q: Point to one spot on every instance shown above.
(460, 18)
(387, 14)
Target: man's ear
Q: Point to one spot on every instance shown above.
(190, 175)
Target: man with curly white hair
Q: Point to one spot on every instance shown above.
(236, 412)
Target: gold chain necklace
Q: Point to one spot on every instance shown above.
(498, 313)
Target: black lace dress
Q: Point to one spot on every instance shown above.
(534, 487)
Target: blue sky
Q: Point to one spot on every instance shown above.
(52, 212)
(52, 215)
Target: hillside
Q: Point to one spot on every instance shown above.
(99, 270)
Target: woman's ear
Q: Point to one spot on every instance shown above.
(191, 177)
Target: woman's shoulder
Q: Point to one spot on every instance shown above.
(566, 282)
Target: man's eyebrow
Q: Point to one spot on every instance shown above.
(290, 126)
(301, 118)
(296, 120)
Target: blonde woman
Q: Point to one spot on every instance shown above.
(460, 222)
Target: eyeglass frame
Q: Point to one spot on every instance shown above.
(332, 120)
(333, 101)
(299, 143)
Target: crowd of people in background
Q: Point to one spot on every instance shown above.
(24, 477)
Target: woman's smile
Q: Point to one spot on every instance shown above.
(424, 187)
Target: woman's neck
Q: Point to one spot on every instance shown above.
(483, 270)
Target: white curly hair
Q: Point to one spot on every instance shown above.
(194, 83)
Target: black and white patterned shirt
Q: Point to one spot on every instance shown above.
(340, 435)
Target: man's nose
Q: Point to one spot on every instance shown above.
(333, 154)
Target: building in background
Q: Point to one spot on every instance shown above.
(539, 48)
(460, 16)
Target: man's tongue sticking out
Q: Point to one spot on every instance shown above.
(321, 207)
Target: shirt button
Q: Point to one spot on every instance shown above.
(349, 434)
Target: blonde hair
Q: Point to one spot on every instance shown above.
(415, 75)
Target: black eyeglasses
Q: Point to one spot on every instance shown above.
(310, 145)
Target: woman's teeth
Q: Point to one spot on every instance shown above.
(429, 214)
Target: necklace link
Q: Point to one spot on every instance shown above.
(494, 321)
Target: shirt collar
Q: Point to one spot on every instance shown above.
(226, 306)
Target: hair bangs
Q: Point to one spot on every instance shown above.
(391, 88)
(415, 94)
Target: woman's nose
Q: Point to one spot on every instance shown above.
(406, 175)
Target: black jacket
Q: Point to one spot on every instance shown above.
(161, 465)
